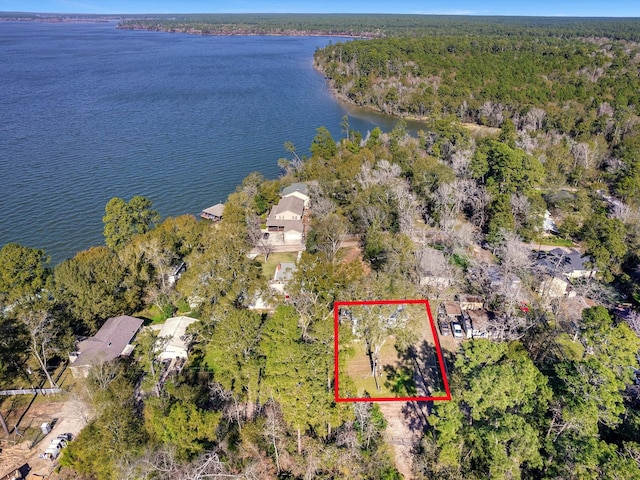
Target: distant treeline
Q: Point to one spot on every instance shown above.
(358, 25)
(378, 25)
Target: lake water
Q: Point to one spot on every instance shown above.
(89, 112)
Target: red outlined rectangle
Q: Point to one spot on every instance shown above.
(336, 344)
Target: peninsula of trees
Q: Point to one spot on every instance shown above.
(519, 131)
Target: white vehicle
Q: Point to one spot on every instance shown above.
(457, 330)
(57, 444)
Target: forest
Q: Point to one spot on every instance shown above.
(514, 127)
(385, 25)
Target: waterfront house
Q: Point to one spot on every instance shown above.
(298, 190)
(110, 342)
(286, 219)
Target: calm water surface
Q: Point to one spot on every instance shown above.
(89, 112)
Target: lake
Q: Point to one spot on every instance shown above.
(89, 112)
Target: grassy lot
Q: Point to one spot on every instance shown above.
(269, 267)
(398, 376)
(359, 369)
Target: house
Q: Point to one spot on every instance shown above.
(213, 213)
(555, 286)
(434, 269)
(298, 190)
(111, 341)
(502, 283)
(174, 330)
(470, 302)
(286, 218)
(282, 276)
(570, 263)
(289, 208)
(559, 267)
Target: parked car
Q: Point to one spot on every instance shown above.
(457, 330)
(445, 330)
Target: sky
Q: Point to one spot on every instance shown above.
(554, 8)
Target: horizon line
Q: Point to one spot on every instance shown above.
(422, 14)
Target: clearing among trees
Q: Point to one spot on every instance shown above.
(387, 350)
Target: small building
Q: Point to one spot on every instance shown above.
(213, 213)
(282, 276)
(110, 342)
(470, 302)
(481, 326)
(298, 190)
(451, 310)
(174, 329)
(177, 272)
(549, 224)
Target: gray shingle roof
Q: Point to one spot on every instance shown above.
(109, 342)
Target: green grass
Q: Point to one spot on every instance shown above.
(560, 242)
(573, 350)
(269, 267)
(362, 379)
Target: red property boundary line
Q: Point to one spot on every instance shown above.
(336, 308)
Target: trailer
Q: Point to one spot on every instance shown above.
(55, 447)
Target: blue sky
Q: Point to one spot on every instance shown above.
(580, 8)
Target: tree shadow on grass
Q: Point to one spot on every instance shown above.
(420, 372)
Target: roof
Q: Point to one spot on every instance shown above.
(109, 342)
(285, 271)
(289, 204)
(560, 260)
(175, 328)
(216, 210)
(452, 308)
(462, 297)
(479, 318)
(295, 187)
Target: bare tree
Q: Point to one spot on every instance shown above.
(514, 255)
(405, 206)
(274, 429)
(43, 336)
(460, 161)
(534, 119)
(633, 319)
(520, 208)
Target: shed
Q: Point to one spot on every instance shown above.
(470, 302)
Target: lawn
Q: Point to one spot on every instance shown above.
(269, 267)
(359, 370)
(414, 373)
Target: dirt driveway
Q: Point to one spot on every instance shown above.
(68, 414)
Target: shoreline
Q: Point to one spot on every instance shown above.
(241, 33)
